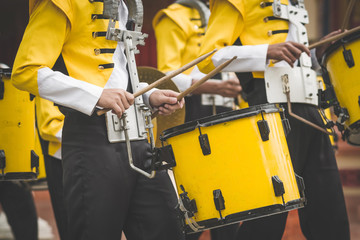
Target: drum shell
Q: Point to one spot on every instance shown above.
(241, 165)
(17, 137)
(345, 79)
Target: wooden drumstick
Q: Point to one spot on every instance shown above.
(348, 14)
(334, 38)
(201, 81)
(330, 39)
(165, 78)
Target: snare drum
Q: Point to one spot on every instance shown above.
(233, 166)
(18, 159)
(342, 62)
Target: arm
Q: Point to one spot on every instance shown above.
(42, 43)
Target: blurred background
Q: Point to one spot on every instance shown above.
(325, 16)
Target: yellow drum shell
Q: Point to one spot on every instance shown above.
(17, 136)
(345, 79)
(241, 165)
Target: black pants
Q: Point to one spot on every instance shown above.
(324, 216)
(104, 196)
(18, 204)
(54, 177)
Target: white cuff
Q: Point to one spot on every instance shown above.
(250, 58)
(182, 81)
(67, 91)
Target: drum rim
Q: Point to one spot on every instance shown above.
(220, 118)
(333, 47)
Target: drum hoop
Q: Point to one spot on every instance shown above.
(220, 118)
(332, 48)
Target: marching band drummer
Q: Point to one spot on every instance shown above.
(179, 31)
(103, 195)
(274, 30)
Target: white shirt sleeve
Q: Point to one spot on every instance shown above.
(250, 58)
(67, 91)
(182, 81)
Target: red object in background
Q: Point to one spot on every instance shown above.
(147, 56)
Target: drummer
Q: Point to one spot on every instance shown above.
(265, 37)
(103, 195)
(179, 31)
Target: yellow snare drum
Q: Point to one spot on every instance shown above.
(18, 159)
(233, 166)
(342, 62)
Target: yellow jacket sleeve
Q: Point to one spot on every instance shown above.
(225, 26)
(41, 45)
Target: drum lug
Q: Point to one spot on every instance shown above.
(35, 161)
(301, 185)
(286, 126)
(2, 89)
(278, 185)
(348, 57)
(219, 201)
(263, 128)
(2, 161)
(204, 143)
(161, 155)
(189, 205)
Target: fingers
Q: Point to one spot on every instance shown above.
(287, 51)
(117, 100)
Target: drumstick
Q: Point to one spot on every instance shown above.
(330, 39)
(165, 78)
(334, 38)
(347, 15)
(201, 81)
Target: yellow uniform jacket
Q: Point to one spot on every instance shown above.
(76, 29)
(250, 21)
(179, 36)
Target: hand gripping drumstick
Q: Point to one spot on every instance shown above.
(201, 81)
(164, 79)
(330, 39)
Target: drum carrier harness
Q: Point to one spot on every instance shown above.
(135, 123)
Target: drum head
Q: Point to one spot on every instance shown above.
(221, 118)
(150, 75)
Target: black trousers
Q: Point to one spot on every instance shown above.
(104, 196)
(324, 216)
(18, 204)
(54, 177)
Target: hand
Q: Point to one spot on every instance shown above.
(118, 100)
(229, 88)
(321, 49)
(287, 51)
(165, 101)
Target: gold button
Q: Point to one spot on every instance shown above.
(269, 33)
(94, 17)
(94, 34)
(91, 1)
(266, 19)
(97, 51)
(101, 68)
(262, 4)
